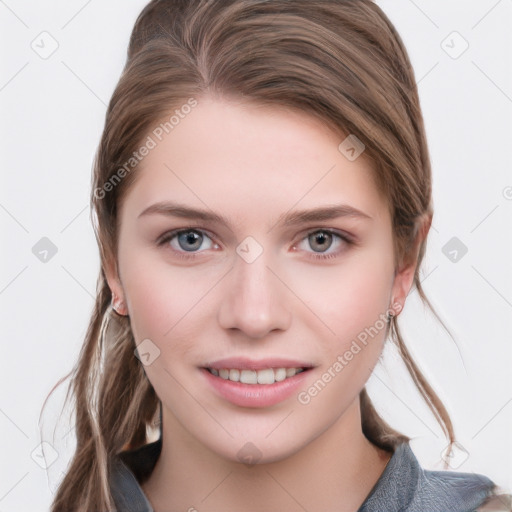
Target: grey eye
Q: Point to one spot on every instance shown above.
(190, 240)
(321, 240)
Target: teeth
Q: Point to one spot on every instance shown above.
(280, 374)
(290, 372)
(266, 376)
(249, 376)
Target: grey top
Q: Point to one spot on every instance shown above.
(403, 486)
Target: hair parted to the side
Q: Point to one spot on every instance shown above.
(339, 60)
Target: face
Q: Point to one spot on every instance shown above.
(269, 249)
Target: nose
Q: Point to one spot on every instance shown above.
(255, 299)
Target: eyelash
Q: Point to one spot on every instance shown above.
(315, 256)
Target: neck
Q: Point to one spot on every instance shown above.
(336, 471)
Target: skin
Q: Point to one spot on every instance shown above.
(253, 164)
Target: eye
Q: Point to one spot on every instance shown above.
(322, 240)
(185, 241)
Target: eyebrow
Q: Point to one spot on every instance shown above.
(294, 218)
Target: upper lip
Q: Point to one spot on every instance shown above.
(244, 363)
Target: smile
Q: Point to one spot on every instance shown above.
(265, 376)
(258, 387)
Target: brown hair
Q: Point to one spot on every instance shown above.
(341, 61)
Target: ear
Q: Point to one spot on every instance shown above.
(116, 287)
(404, 274)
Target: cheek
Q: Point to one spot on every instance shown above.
(158, 294)
(168, 305)
(349, 296)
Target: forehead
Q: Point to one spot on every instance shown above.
(235, 156)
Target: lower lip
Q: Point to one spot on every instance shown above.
(255, 395)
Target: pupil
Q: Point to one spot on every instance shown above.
(189, 238)
(324, 238)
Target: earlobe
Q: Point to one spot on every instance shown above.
(402, 284)
(118, 305)
(118, 300)
(404, 275)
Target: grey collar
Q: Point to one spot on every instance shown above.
(403, 486)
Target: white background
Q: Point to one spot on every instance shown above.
(52, 117)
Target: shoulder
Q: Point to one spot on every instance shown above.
(450, 490)
(406, 486)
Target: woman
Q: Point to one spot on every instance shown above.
(262, 199)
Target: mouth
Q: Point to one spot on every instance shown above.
(254, 384)
(266, 376)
